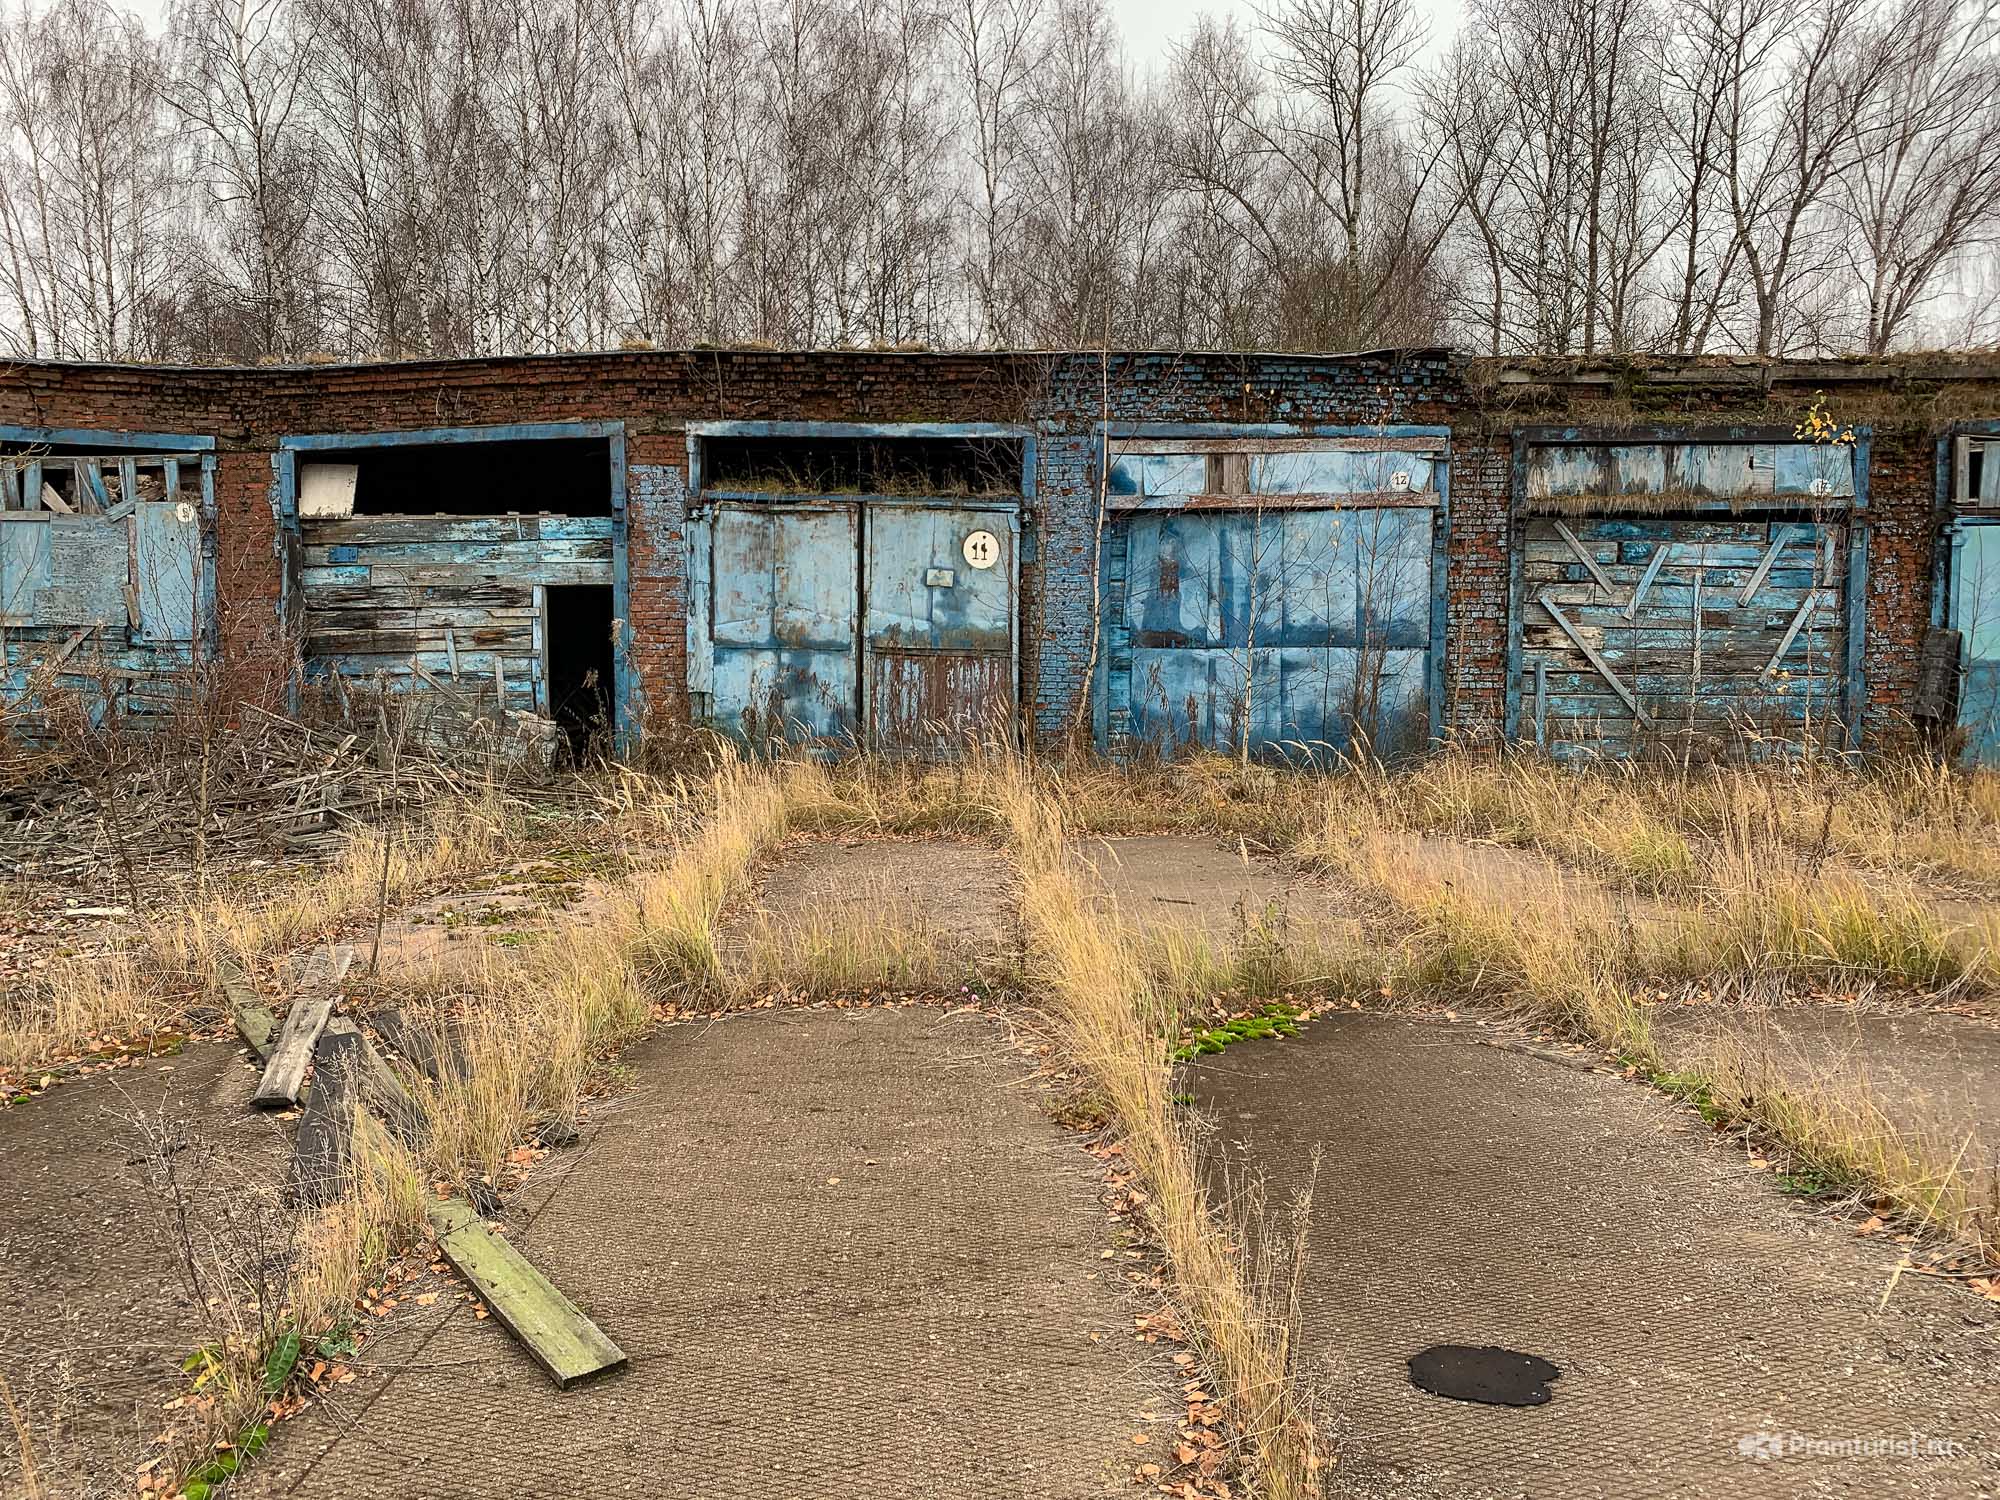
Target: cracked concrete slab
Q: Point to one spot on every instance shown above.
(95, 1317)
(1220, 886)
(847, 1254)
(1472, 1195)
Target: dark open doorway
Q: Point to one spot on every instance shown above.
(577, 649)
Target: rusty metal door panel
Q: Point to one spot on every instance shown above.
(1723, 632)
(783, 598)
(939, 632)
(933, 699)
(1307, 624)
(1975, 611)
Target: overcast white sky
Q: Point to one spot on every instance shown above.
(1150, 24)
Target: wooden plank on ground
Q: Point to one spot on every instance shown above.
(325, 1140)
(285, 1070)
(563, 1341)
(254, 1021)
(380, 1086)
(317, 981)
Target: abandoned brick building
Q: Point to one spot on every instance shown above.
(887, 547)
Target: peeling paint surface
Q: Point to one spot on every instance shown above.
(1291, 628)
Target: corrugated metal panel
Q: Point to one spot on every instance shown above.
(1307, 623)
(1975, 610)
(939, 632)
(784, 604)
(1665, 627)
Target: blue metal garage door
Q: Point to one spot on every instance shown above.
(940, 624)
(784, 596)
(1293, 629)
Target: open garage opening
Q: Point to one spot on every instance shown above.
(488, 477)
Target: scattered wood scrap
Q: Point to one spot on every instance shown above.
(254, 1021)
(563, 1341)
(318, 985)
(348, 1069)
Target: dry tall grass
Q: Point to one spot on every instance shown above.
(1116, 1028)
(173, 956)
(1578, 963)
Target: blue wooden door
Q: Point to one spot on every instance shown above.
(1725, 633)
(1294, 629)
(1975, 610)
(784, 601)
(939, 636)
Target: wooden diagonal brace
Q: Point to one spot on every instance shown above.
(1583, 556)
(1590, 654)
(1646, 582)
(1791, 632)
(1780, 538)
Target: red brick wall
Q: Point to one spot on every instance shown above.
(657, 394)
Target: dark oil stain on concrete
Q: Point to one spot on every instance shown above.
(1497, 1377)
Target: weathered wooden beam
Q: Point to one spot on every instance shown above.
(254, 1021)
(1780, 537)
(562, 1340)
(1583, 556)
(1645, 583)
(325, 1140)
(1590, 653)
(285, 1071)
(318, 978)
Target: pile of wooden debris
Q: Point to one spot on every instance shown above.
(261, 787)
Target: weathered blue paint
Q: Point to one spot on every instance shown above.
(571, 550)
(1854, 702)
(1691, 653)
(166, 565)
(1314, 623)
(939, 637)
(1731, 472)
(1975, 611)
(784, 596)
(94, 437)
(508, 432)
(136, 578)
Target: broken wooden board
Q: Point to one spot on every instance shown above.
(380, 1085)
(325, 1141)
(318, 978)
(563, 1341)
(285, 1071)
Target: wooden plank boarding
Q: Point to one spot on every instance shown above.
(563, 1341)
(1590, 654)
(284, 1074)
(325, 1140)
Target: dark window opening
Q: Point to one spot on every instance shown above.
(531, 476)
(864, 466)
(578, 659)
